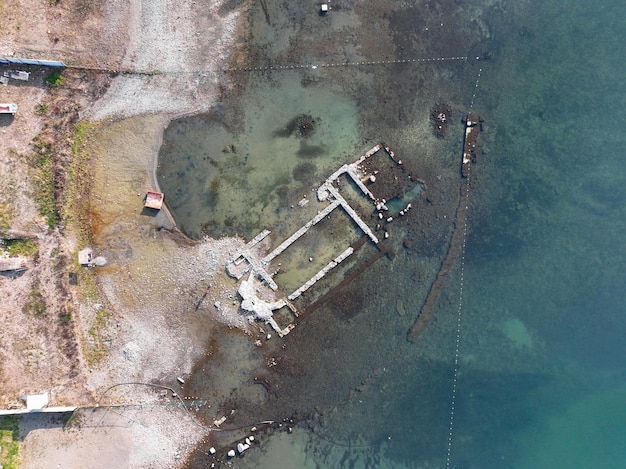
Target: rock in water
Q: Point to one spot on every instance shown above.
(400, 307)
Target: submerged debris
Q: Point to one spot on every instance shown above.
(303, 126)
(473, 125)
(440, 115)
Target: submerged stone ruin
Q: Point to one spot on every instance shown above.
(380, 179)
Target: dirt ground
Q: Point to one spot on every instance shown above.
(31, 359)
(109, 437)
(137, 318)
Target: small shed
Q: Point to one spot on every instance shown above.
(85, 257)
(22, 61)
(153, 200)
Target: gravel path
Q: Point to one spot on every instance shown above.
(185, 45)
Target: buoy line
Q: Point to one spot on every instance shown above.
(480, 71)
(457, 344)
(345, 64)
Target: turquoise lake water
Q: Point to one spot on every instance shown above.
(541, 371)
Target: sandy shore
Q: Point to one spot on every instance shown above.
(139, 436)
(154, 280)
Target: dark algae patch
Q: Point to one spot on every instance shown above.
(302, 126)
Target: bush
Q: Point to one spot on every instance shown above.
(9, 442)
(54, 79)
(43, 162)
(35, 304)
(41, 109)
(19, 246)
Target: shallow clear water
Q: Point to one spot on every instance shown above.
(244, 179)
(542, 353)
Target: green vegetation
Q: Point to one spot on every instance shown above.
(43, 162)
(75, 211)
(9, 442)
(8, 194)
(6, 213)
(44, 159)
(26, 247)
(76, 215)
(76, 420)
(35, 304)
(54, 79)
(80, 135)
(41, 109)
(94, 349)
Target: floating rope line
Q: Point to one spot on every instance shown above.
(156, 72)
(480, 70)
(345, 64)
(457, 344)
(158, 386)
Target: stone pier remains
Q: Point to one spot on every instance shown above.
(260, 295)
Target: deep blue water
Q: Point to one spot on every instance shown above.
(541, 374)
(549, 251)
